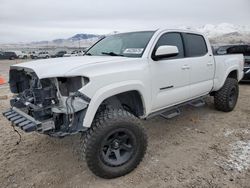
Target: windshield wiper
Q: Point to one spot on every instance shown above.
(88, 54)
(112, 54)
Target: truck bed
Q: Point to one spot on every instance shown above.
(226, 63)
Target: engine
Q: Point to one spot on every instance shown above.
(36, 97)
(53, 100)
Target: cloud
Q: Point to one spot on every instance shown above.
(27, 20)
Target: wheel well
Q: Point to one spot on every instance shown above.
(233, 74)
(130, 101)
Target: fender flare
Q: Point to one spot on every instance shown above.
(111, 90)
(221, 82)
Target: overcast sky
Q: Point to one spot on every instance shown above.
(35, 20)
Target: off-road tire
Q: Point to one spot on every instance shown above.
(106, 122)
(223, 100)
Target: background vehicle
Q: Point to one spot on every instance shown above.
(123, 78)
(10, 55)
(75, 53)
(59, 54)
(2, 56)
(33, 55)
(22, 54)
(44, 55)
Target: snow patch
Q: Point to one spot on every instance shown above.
(239, 158)
(230, 132)
(212, 31)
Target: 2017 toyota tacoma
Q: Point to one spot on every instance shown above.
(122, 79)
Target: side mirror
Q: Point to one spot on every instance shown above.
(165, 52)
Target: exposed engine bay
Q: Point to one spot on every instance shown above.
(55, 102)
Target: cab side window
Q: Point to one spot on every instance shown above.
(173, 39)
(195, 45)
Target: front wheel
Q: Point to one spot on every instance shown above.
(115, 144)
(226, 98)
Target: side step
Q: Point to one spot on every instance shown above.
(198, 103)
(171, 114)
(174, 111)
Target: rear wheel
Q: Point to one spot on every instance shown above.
(115, 144)
(226, 98)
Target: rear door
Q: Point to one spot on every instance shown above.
(201, 63)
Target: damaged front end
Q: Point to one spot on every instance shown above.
(52, 106)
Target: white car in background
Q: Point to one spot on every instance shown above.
(74, 53)
(21, 54)
(43, 55)
(33, 55)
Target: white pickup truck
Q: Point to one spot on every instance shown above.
(121, 80)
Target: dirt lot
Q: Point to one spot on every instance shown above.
(200, 148)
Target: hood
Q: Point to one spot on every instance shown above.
(60, 66)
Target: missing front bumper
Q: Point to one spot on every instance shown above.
(22, 120)
(28, 124)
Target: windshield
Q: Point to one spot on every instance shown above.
(126, 44)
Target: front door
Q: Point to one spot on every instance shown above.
(170, 76)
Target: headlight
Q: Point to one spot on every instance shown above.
(68, 85)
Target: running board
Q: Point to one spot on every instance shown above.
(171, 114)
(198, 103)
(174, 111)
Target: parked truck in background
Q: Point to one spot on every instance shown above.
(122, 79)
(8, 55)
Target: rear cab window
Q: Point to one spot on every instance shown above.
(195, 45)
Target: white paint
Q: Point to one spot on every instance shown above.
(166, 50)
(112, 75)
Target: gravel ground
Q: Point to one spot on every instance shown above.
(200, 148)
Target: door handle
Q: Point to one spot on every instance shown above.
(184, 67)
(210, 64)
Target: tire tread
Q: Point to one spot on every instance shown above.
(221, 96)
(101, 121)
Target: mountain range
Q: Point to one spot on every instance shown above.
(220, 34)
(224, 33)
(78, 40)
